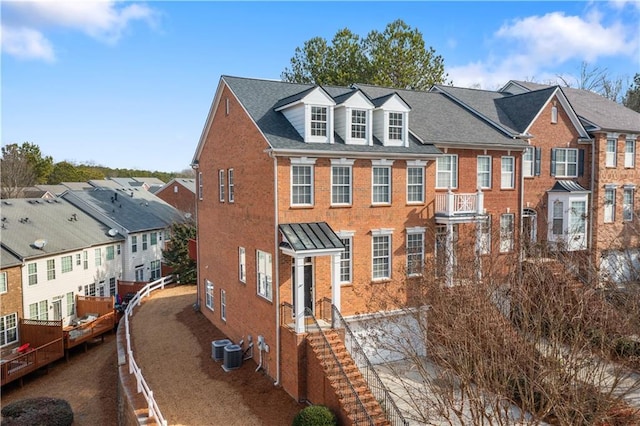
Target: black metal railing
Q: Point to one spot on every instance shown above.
(375, 384)
(350, 399)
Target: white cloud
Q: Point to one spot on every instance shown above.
(26, 43)
(105, 21)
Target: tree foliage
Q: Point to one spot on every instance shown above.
(632, 97)
(176, 254)
(22, 166)
(396, 57)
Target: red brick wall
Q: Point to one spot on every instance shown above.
(11, 301)
(183, 200)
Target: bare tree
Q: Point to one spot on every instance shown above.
(16, 172)
(595, 79)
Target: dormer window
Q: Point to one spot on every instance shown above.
(391, 120)
(318, 121)
(395, 126)
(358, 124)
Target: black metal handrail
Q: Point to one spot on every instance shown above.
(376, 386)
(361, 415)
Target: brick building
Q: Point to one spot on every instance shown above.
(181, 194)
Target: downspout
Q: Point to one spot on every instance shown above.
(277, 263)
(195, 167)
(590, 236)
(522, 209)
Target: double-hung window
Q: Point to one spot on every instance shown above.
(609, 205)
(484, 171)
(483, 243)
(153, 239)
(395, 126)
(155, 270)
(209, 297)
(565, 162)
(302, 182)
(558, 218)
(264, 270)
(223, 305)
(111, 253)
(3, 282)
(66, 264)
(341, 182)
(358, 124)
(8, 329)
(507, 177)
(39, 310)
(627, 204)
(134, 243)
(230, 184)
(415, 251)
(610, 153)
(528, 161)
(98, 257)
(200, 187)
(630, 153)
(381, 254)
(221, 184)
(415, 182)
(447, 172)
(318, 121)
(51, 269)
(506, 232)
(144, 241)
(112, 286)
(242, 265)
(346, 257)
(381, 182)
(32, 270)
(71, 303)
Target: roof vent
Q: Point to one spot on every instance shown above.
(112, 232)
(39, 244)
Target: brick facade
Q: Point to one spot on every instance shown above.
(11, 301)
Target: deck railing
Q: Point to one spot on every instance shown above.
(142, 386)
(453, 203)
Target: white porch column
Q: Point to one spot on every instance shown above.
(335, 280)
(299, 307)
(450, 255)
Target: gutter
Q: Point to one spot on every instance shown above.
(277, 263)
(196, 306)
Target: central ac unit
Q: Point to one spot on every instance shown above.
(232, 357)
(217, 348)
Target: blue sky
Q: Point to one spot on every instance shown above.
(129, 84)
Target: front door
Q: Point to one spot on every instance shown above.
(57, 309)
(529, 231)
(308, 284)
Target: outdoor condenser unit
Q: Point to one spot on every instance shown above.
(217, 348)
(232, 357)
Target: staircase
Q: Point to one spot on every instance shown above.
(344, 387)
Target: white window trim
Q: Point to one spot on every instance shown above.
(302, 161)
(6, 330)
(416, 164)
(268, 294)
(231, 184)
(200, 187)
(343, 162)
(567, 163)
(221, 185)
(511, 173)
(223, 305)
(383, 232)
(4, 287)
(484, 172)
(609, 213)
(452, 173)
(381, 164)
(507, 245)
(347, 235)
(610, 157)
(630, 157)
(416, 230)
(401, 127)
(350, 113)
(528, 166)
(242, 265)
(209, 295)
(625, 190)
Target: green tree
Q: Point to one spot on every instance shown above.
(632, 97)
(23, 166)
(176, 254)
(65, 172)
(396, 57)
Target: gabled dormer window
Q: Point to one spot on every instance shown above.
(318, 121)
(391, 120)
(395, 126)
(310, 112)
(358, 124)
(353, 118)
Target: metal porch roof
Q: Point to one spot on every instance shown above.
(310, 236)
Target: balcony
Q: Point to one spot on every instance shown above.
(452, 204)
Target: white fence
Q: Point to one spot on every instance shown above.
(142, 386)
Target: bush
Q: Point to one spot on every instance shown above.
(42, 411)
(315, 415)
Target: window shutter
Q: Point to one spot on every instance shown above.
(538, 156)
(553, 161)
(580, 162)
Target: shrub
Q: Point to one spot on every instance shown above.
(42, 411)
(315, 415)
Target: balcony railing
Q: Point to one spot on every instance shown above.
(453, 204)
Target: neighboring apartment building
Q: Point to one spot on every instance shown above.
(348, 192)
(181, 194)
(62, 252)
(143, 219)
(10, 298)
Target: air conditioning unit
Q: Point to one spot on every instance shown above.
(232, 357)
(217, 348)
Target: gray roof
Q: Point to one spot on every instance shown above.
(135, 209)
(8, 259)
(54, 189)
(77, 185)
(596, 110)
(310, 236)
(261, 97)
(63, 226)
(188, 183)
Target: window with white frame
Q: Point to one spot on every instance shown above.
(358, 124)
(209, 297)
(3, 282)
(200, 188)
(301, 184)
(110, 253)
(71, 304)
(230, 184)
(242, 265)
(415, 251)
(90, 289)
(134, 243)
(554, 114)
(484, 236)
(51, 269)
(39, 310)
(381, 255)
(447, 171)
(609, 205)
(264, 272)
(32, 272)
(153, 239)
(85, 259)
(345, 258)
(155, 270)
(221, 184)
(318, 121)
(506, 232)
(98, 256)
(528, 161)
(112, 286)
(415, 182)
(223, 305)
(627, 204)
(610, 153)
(630, 153)
(139, 273)
(565, 162)
(558, 218)
(145, 241)
(100, 288)
(395, 126)
(484, 171)
(8, 329)
(507, 177)
(66, 264)
(341, 182)
(381, 184)
(78, 259)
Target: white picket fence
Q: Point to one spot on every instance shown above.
(142, 386)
